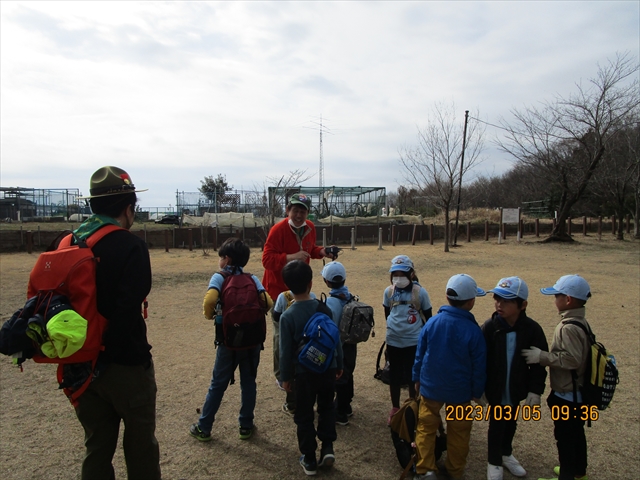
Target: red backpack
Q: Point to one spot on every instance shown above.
(70, 270)
(244, 323)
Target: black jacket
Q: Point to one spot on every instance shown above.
(123, 281)
(524, 378)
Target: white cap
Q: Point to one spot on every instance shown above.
(465, 287)
(332, 270)
(510, 288)
(571, 285)
(401, 263)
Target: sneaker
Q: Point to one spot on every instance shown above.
(310, 468)
(327, 457)
(513, 465)
(245, 433)
(195, 432)
(392, 412)
(494, 472)
(342, 419)
(287, 410)
(556, 470)
(426, 476)
(279, 385)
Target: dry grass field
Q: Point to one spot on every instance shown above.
(41, 438)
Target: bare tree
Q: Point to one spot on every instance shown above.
(433, 166)
(565, 139)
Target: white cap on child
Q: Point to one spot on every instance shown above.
(333, 270)
(571, 285)
(465, 287)
(510, 288)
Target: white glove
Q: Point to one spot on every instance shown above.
(482, 401)
(532, 399)
(531, 354)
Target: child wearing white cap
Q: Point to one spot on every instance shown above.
(566, 361)
(450, 367)
(509, 378)
(407, 307)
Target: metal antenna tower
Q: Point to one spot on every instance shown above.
(322, 129)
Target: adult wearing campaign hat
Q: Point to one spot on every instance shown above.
(450, 368)
(293, 238)
(125, 389)
(509, 378)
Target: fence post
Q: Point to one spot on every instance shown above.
(600, 227)
(628, 224)
(569, 226)
(468, 232)
(29, 241)
(145, 233)
(353, 238)
(613, 224)
(39, 243)
(166, 240)
(393, 235)
(486, 230)
(324, 237)
(379, 238)
(584, 225)
(190, 239)
(431, 233)
(537, 227)
(504, 231)
(413, 236)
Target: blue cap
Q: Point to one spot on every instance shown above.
(571, 285)
(510, 288)
(465, 287)
(401, 263)
(332, 270)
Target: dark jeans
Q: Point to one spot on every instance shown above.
(311, 388)
(120, 394)
(500, 439)
(226, 362)
(570, 440)
(344, 385)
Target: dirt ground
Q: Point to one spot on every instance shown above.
(41, 438)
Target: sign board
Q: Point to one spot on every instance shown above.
(511, 215)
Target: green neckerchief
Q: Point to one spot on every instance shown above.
(93, 223)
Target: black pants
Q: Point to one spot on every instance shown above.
(312, 387)
(500, 438)
(344, 385)
(570, 440)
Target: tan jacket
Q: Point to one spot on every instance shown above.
(569, 350)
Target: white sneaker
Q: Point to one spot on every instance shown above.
(494, 472)
(431, 475)
(513, 466)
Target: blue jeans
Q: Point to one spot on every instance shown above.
(226, 362)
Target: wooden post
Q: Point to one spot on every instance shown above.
(600, 227)
(166, 240)
(613, 224)
(324, 237)
(584, 225)
(504, 231)
(431, 233)
(39, 242)
(190, 239)
(413, 236)
(353, 238)
(379, 238)
(29, 241)
(628, 229)
(569, 226)
(393, 235)
(468, 232)
(537, 227)
(486, 230)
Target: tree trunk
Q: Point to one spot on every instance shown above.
(446, 229)
(559, 232)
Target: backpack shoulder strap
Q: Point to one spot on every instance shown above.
(586, 329)
(100, 234)
(289, 297)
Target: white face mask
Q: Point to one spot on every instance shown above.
(400, 282)
(294, 225)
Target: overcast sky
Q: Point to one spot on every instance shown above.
(173, 92)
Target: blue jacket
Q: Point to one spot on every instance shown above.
(451, 357)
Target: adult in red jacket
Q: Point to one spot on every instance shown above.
(293, 238)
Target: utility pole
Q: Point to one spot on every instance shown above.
(464, 144)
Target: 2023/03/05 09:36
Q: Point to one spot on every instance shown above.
(498, 412)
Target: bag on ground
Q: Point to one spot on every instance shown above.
(600, 375)
(383, 373)
(319, 342)
(244, 324)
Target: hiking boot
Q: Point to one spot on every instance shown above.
(287, 410)
(327, 457)
(426, 476)
(245, 433)
(342, 419)
(392, 412)
(310, 468)
(513, 465)
(196, 433)
(494, 472)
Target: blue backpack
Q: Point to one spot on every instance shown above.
(318, 345)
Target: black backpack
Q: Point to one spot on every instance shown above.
(600, 374)
(383, 374)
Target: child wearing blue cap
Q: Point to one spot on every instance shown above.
(509, 378)
(566, 361)
(407, 307)
(450, 367)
